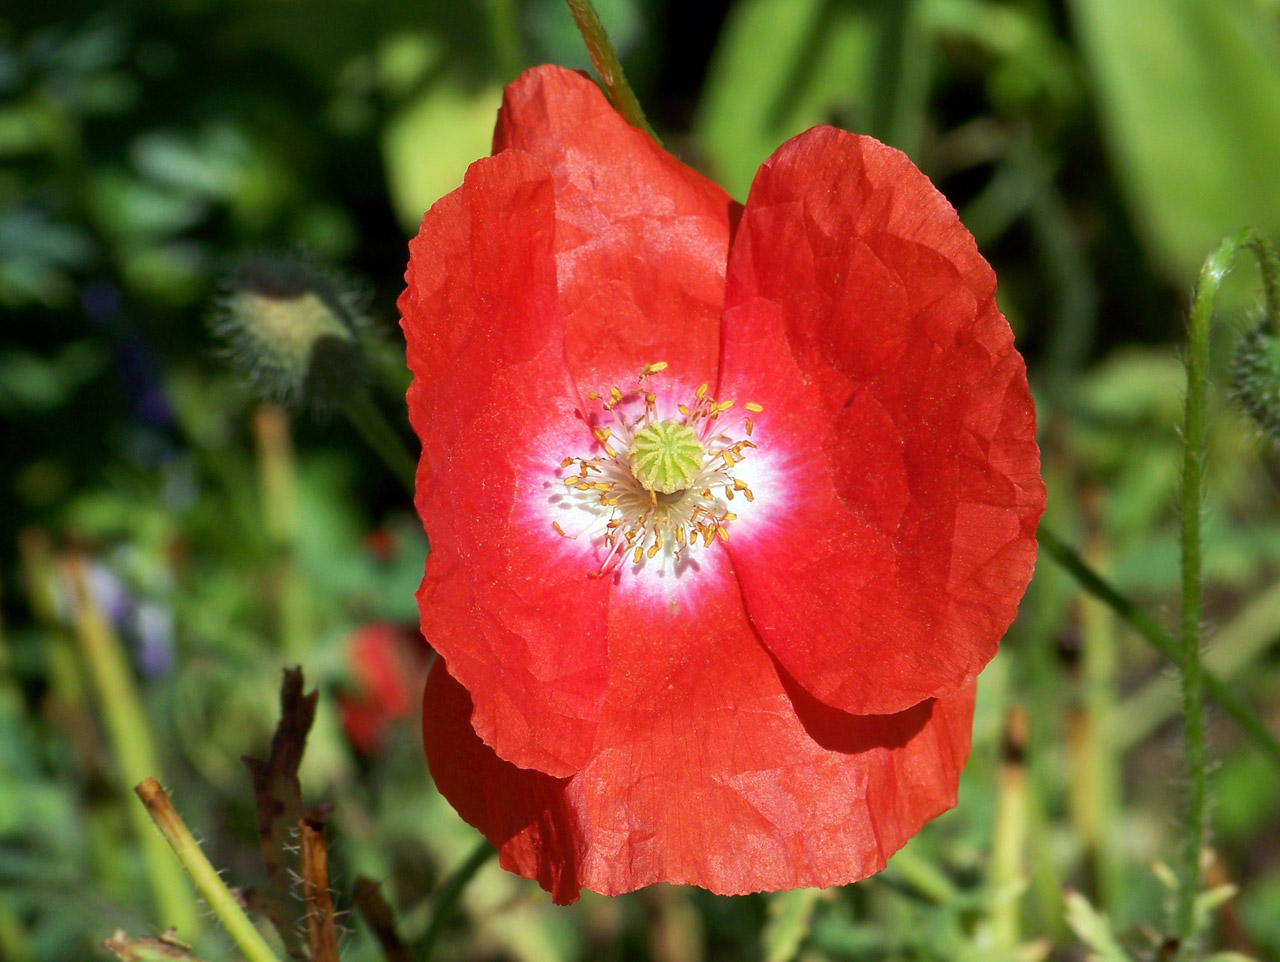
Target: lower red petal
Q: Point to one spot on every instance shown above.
(710, 767)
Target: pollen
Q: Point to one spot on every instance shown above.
(662, 486)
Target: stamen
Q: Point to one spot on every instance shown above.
(670, 484)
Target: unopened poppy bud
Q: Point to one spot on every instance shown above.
(293, 328)
(1255, 377)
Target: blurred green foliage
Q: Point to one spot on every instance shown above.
(1097, 149)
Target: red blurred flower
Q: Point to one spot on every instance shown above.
(683, 641)
(388, 666)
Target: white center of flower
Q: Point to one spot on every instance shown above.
(667, 483)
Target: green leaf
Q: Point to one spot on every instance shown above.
(790, 917)
(781, 67)
(432, 140)
(1189, 93)
(1094, 930)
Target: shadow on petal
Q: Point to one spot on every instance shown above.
(839, 731)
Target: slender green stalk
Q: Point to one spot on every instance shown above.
(448, 896)
(1252, 726)
(605, 60)
(219, 898)
(1007, 867)
(133, 747)
(278, 477)
(382, 437)
(1193, 439)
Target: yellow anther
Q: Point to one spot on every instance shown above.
(655, 368)
(615, 395)
(702, 389)
(754, 408)
(559, 530)
(723, 532)
(602, 434)
(635, 558)
(653, 548)
(593, 395)
(748, 495)
(728, 458)
(739, 484)
(683, 409)
(680, 536)
(583, 486)
(566, 462)
(723, 406)
(571, 481)
(750, 426)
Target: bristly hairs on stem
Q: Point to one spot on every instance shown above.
(1193, 439)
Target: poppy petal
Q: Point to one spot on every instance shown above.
(861, 316)
(710, 766)
(503, 598)
(641, 239)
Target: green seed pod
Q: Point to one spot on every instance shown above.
(1255, 377)
(293, 328)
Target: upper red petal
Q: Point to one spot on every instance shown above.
(503, 598)
(641, 239)
(897, 427)
(708, 768)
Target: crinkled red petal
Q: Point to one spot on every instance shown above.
(641, 239)
(897, 423)
(709, 767)
(504, 598)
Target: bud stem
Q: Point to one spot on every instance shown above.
(381, 436)
(1193, 439)
(605, 60)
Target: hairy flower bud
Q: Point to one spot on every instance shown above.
(1255, 377)
(293, 328)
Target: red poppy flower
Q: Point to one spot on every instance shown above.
(728, 505)
(388, 664)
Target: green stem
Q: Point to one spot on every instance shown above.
(134, 749)
(923, 876)
(382, 437)
(1193, 439)
(448, 895)
(219, 898)
(278, 473)
(1252, 726)
(605, 60)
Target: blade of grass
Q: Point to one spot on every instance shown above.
(1248, 721)
(133, 746)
